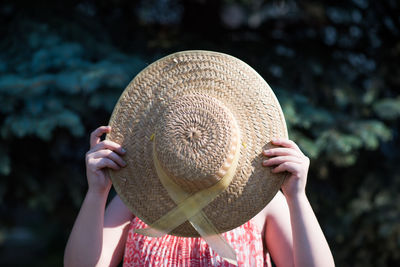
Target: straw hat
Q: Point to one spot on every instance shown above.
(192, 111)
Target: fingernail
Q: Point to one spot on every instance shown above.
(266, 152)
(123, 150)
(265, 162)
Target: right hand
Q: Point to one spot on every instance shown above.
(102, 154)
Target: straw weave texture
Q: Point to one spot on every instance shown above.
(196, 140)
(210, 92)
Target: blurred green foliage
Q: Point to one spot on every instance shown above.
(333, 65)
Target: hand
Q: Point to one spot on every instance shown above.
(288, 157)
(102, 155)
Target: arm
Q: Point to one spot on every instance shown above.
(309, 246)
(96, 236)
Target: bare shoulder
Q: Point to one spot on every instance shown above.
(273, 209)
(278, 231)
(117, 219)
(276, 205)
(117, 212)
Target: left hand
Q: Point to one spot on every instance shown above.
(288, 157)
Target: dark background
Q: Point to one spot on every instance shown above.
(334, 66)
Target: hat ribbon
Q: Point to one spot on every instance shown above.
(189, 207)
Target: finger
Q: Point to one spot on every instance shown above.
(281, 151)
(106, 163)
(286, 143)
(95, 136)
(281, 159)
(291, 167)
(107, 144)
(106, 153)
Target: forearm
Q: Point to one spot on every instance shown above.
(85, 241)
(310, 247)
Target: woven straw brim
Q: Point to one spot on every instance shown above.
(242, 90)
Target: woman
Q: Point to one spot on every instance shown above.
(288, 224)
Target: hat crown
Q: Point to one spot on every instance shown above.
(196, 138)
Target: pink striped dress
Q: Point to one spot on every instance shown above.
(180, 251)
